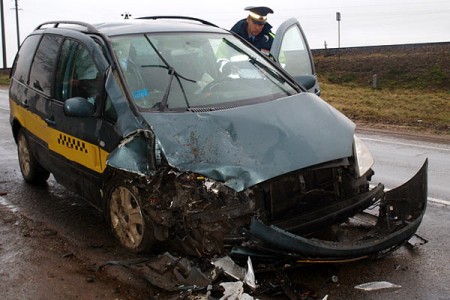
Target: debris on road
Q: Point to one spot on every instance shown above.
(377, 285)
(227, 265)
(217, 278)
(415, 241)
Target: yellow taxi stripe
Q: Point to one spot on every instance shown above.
(84, 153)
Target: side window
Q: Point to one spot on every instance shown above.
(294, 54)
(77, 74)
(43, 66)
(24, 57)
(110, 110)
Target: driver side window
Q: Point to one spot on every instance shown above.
(78, 76)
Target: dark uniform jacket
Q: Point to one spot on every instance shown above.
(262, 41)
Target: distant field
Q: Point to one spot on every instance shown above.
(403, 85)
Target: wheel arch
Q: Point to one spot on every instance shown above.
(15, 126)
(120, 179)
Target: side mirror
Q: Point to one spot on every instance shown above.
(307, 81)
(78, 107)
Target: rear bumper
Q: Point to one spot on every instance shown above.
(400, 213)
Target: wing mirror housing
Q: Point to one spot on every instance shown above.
(307, 81)
(78, 107)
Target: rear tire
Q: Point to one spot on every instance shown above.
(128, 221)
(31, 170)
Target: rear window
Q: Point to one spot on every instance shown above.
(44, 63)
(24, 57)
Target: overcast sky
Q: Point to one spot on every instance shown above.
(363, 22)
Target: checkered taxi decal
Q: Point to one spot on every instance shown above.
(72, 143)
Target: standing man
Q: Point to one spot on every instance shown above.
(255, 28)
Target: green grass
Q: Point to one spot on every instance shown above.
(422, 66)
(412, 91)
(416, 108)
(4, 79)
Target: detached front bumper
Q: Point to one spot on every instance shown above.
(400, 213)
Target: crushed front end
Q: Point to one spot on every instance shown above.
(294, 183)
(375, 223)
(322, 212)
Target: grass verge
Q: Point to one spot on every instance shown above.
(421, 110)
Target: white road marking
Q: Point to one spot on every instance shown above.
(405, 144)
(439, 201)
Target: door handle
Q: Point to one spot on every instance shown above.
(50, 121)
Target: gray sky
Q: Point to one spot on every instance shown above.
(363, 23)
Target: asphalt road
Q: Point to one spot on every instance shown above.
(397, 157)
(51, 241)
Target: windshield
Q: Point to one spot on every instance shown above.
(185, 70)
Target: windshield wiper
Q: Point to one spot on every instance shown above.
(257, 63)
(265, 68)
(173, 73)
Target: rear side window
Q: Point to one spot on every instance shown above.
(44, 63)
(24, 57)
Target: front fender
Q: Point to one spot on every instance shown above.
(135, 154)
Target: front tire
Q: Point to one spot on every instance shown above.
(128, 221)
(31, 170)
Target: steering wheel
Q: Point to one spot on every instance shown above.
(229, 69)
(214, 85)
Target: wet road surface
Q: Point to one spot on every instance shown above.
(52, 244)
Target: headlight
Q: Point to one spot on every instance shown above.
(363, 158)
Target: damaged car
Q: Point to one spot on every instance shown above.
(189, 139)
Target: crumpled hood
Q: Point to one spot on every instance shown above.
(247, 145)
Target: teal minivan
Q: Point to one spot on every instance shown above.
(190, 140)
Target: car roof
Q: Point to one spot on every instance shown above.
(136, 26)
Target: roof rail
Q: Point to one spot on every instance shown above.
(56, 24)
(179, 17)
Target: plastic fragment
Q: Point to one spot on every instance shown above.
(234, 291)
(249, 278)
(416, 240)
(230, 268)
(376, 285)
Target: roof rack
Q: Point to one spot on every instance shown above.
(56, 24)
(181, 18)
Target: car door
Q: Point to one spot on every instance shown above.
(291, 51)
(31, 87)
(78, 159)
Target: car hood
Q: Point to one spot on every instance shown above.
(246, 145)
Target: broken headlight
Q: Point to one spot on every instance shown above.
(363, 158)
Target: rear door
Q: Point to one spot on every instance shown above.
(32, 88)
(291, 51)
